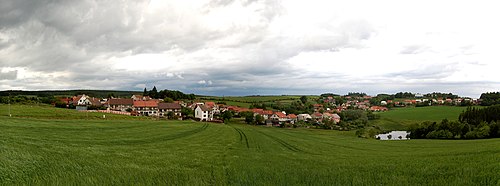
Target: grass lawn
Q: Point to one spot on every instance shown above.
(76, 150)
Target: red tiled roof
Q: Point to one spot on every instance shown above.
(317, 114)
(280, 114)
(121, 102)
(169, 106)
(292, 116)
(145, 104)
(210, 104)
(256, 110)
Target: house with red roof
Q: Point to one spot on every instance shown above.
(146, 108)
(140, 98)
(203, 113)
(165, 108)
(378, 109)
(120, 104)
(279, 116)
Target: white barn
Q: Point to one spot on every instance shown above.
(394, 135)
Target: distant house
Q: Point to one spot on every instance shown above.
(95, 102)
(266, 114)
(165, 108)
(317, 116)
(378, 109)
(120, 104)
(81, 102)
(146, 108)
(304, 117)
(203, 113)
(292, 118)
(394, 135)
(334, 117)
(279, 116)
(140, 98)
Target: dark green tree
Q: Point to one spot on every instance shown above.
(303, 99)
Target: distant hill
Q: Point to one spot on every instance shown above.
(68, 93)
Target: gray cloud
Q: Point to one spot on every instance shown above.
(209, 49)
(9, 75)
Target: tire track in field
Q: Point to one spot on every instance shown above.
(282, 142)
(319, 140)
(242, 136)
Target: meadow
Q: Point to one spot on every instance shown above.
(401, 118)
(71, 148)
(246, 101)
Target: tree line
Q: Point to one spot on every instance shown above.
(490, 98)
(472, 124)
(166, 94)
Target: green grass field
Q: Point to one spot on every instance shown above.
(400, 118)
(246, 101)
(73, 149)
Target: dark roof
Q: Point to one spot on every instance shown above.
(95, 101)
(121, 102)
(169, 106)
(204, 108)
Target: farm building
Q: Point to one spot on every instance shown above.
(394, 135)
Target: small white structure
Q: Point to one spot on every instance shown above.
(304, 117)
(394, 135)
(203, 113)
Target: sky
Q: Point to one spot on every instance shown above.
(251, 47)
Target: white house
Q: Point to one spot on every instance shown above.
(81, 102)
(203, 113)
(394, 135)
(304, 117)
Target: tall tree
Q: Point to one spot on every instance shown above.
(145, 93)
(303, 99)
(154, 93)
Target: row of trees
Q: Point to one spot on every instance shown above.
(475, 116)
(473, 124)
(166, 94)
(490, 98)
(27, 100)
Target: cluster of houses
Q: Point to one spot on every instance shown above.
(206, 112)
(136, 105)
(139, 105)
(364, 103)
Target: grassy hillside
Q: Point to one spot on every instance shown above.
(246, 101)
(400, 118)
(67, 151)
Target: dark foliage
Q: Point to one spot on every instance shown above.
(490, 98)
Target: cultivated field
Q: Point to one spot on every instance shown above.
(72, 148)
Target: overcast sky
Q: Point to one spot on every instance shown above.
(248, 47)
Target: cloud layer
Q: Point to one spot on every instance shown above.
(243, 47)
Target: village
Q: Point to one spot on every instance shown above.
(325, 109)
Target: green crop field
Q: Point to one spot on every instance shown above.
(400, 118)
(48, 148)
